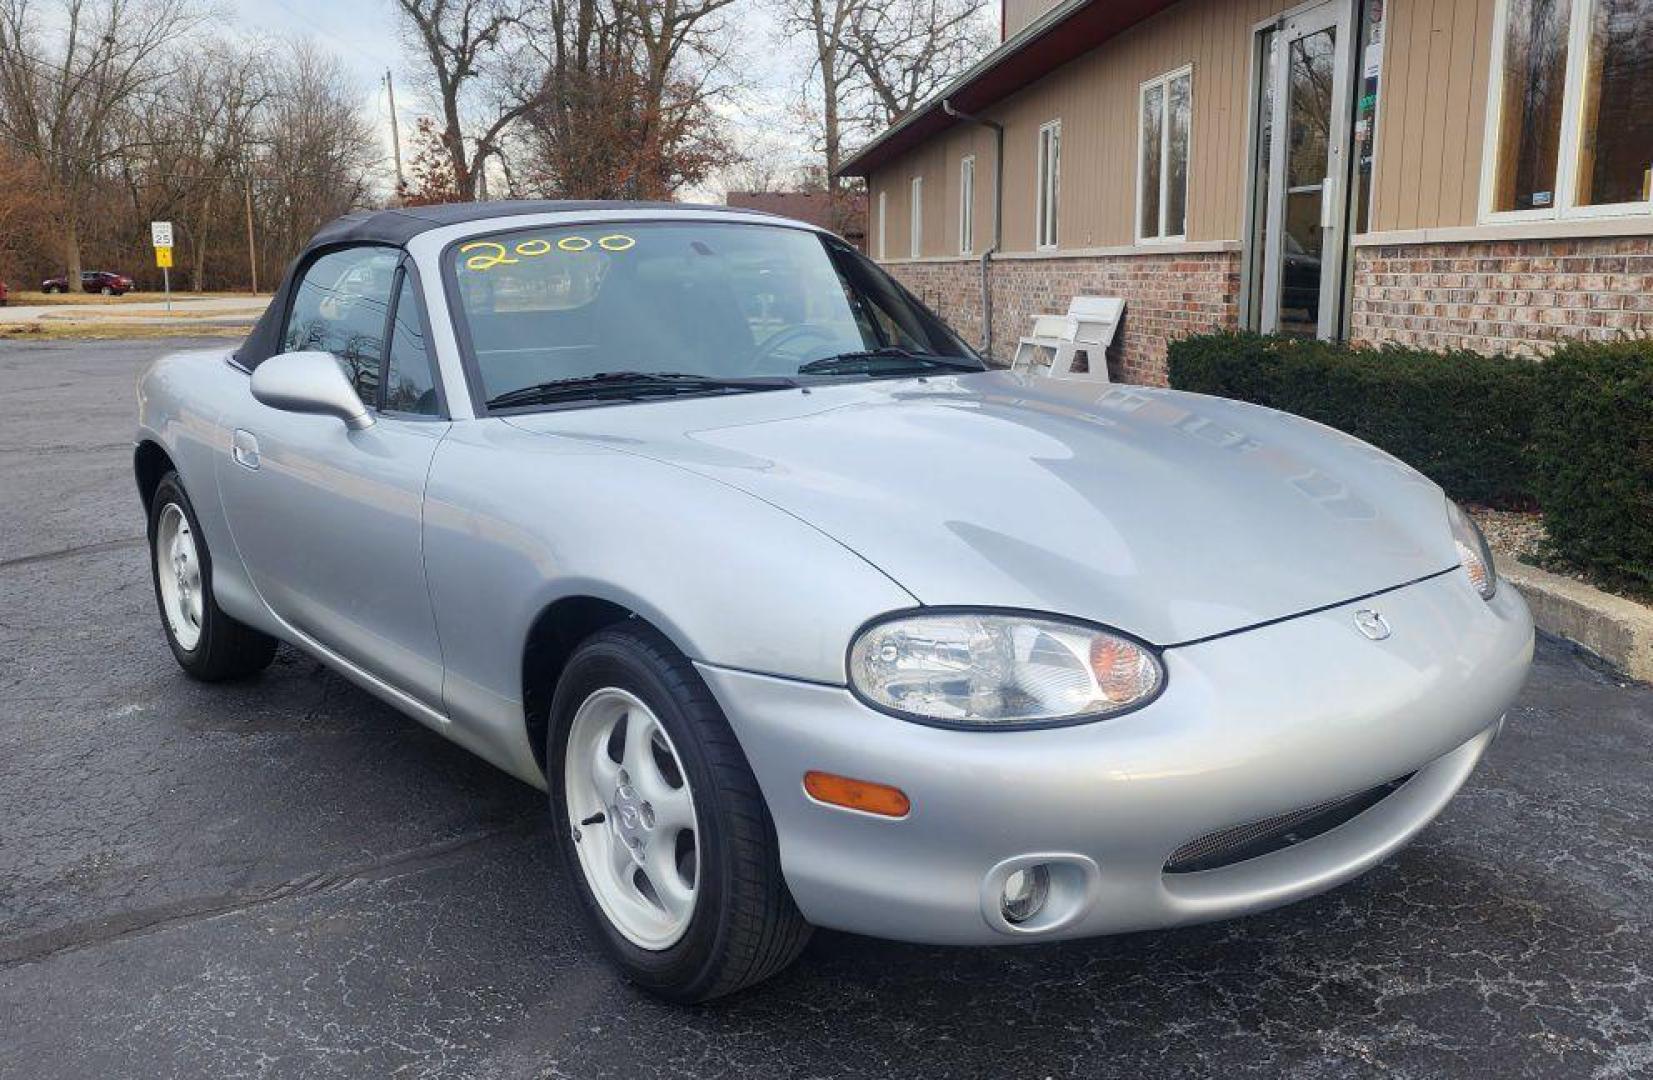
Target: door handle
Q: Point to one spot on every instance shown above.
(244, 448)
(1328, 203)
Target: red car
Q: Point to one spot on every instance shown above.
(4, 294)
(106, 282)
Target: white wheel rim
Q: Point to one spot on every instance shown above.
(178, 569)
(633, 818)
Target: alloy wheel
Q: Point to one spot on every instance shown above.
(178, 569)
(633, 815)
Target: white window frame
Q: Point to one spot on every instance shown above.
(1165, 80)
(1048, 186)
(1572, 115)
(883, 220)
(915, 219)
(967, 204)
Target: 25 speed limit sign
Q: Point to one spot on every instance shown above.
(160, 234)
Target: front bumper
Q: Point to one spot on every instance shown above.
(1250, 726)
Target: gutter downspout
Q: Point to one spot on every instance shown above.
(998, 217)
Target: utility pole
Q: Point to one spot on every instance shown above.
(395, 134)
(252, 250)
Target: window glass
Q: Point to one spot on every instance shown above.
(1153, 113)
(721, 300)
(410, 383)
(1167, 113)
(915, 219)
(967, 205)
(1533, 85)
(1615, 152)
(1050, 171)
(340, 307)
(1179, 105)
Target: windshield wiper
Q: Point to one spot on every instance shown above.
(867, 359)
(628, 384)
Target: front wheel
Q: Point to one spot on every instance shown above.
(207, 643)
(660, 823)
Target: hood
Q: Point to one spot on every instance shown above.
(1172, 516)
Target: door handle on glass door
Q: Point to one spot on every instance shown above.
(244, 449)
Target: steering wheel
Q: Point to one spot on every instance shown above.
(788, 336)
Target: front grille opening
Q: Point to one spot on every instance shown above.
(1237, 843)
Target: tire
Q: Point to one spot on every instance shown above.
(742, 926)
(51, 289)
(208, 644)
(107, 291)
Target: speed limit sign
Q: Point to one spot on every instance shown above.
(160, 234)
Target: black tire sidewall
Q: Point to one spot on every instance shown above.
(619, 659)
(170, 491)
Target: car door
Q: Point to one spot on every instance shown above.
(328, 520)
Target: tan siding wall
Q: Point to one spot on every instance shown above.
(1432, 114)
(1432, 111)
(1096, 99)
(1018, 13)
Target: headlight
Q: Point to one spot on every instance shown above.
(1473, 552)
(984, 669)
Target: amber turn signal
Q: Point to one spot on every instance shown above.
(862, 795)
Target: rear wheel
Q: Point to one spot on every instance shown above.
(207, 643)
(107, 291)
(661, 825)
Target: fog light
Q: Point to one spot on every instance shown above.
(1025, 893)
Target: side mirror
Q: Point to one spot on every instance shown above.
(310, 382)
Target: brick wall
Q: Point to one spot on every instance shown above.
(1166, 297)
(1516, 296)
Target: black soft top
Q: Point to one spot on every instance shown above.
(396, 227)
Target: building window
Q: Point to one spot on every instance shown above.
(1050, 184)
(916, 221)
(1166, 114)
(967, 205)
(883, 219)
(1570, 110)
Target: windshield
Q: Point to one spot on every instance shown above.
(715, 306)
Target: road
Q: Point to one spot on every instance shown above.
(185, 309)
(285, 878)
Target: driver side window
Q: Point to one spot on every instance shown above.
(340, 307)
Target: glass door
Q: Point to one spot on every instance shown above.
(1302, 167)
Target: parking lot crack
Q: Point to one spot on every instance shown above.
(123, 926)
(65, 553)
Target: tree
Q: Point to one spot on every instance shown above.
(63, 95)
(318, 152)
(200, 134)
(461, 40)
(24, 209)
(430, 170)
(906, 52)
(621, 105)
(832, 69)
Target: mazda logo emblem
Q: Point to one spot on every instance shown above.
(1371, 624)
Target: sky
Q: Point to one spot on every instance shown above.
(364, 34)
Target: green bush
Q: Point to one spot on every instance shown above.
(1593, 471)
(1462, 419)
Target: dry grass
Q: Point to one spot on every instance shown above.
(29, 298)
(105, 330)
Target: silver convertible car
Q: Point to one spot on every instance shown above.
(803, 616)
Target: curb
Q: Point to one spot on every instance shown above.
(1619, 631)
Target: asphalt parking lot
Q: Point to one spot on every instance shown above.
(285, 878)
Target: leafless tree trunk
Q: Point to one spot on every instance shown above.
(461, 41)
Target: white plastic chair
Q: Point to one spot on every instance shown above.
(1088, 327)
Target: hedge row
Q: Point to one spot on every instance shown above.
(1572, 434)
